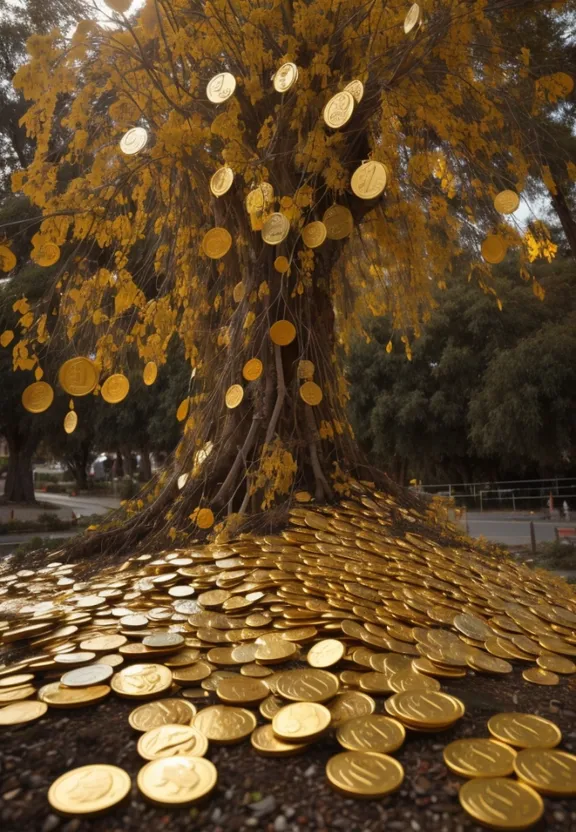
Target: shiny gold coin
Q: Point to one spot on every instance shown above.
(338, 221)
(275, 229)
(242, 691)
(548, 771)
(479, 758)
(163, 641)
(193, 673)
(265, 742)
(177, 781)
(184, 658)
(423, 665)
(282, 264)
(428, 709)
(301, 721)
(162, 712)
(133, 141)
(19, 712)
(57, 696)
(325, 653)
(37, 397)
(412, 680)
(494, 249)
(506, 202)
(556, 664)
(375, 682)
(172, 740)
(141, 680)
(78, 376)
(16, 694)
(524, 730)
(307, 685)
(274, 651)
(70, 421)
(234, 396)
(221, 87)
(282, 333)
(413, 18)
(45, 254)
(357, 89)
(224, 724)
(270, 706)
(182, 411)
(15, 680)
(252, 370)
(103, 644)
(369, 180)
(485, 663)
(255, 671)
(150, 373)
(349, 705)
(501, 803)
(205, 518)
(540, 677)
(286, 77)
(314, 234)
(216, 243)
(115, 388)
(374, 732)
(364, 774)
(25, 632)
(311, 393)
(89, 790)
(339, 109)
(221, 181)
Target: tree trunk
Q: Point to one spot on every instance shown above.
(564, 215)
(145, 464)
(19, 485)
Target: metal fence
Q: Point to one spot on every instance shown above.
(528, 495)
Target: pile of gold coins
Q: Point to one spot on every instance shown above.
(282, 639)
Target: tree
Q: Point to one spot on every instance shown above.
(264, 270)
(455, 412)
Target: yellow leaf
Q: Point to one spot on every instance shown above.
(6, 337)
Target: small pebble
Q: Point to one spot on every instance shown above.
(280, 824)
(51, 822)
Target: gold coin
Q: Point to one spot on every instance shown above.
(282, 333)
(216, 243)
(238, 292)
(205, 518)
(364, 774)
(348, 705)
(103, 644)
(413, 18)
(161, 641)
(133, 141)
(46, 254)
(141, 680)
(307, 685)
(177, 781)
(70, 421)
(172, 740)
(37, 397)
(339, 109)
(89, 790)
(150, 373)
(78, 376)
(286, 77)
(479, 758)
(161, 712)
(192, 674)
(555, 663)
(314, 234)
(540, 677)
(339, 222)
(234, 396)
(183, 408)
(325, 653)
(305, 369)
(282, 264)
(301, 721)
(115, 388)
(501, 803)
(275, 651)
(412, 680)
(357, 89)
(57, 696)
(493, 249)
(311, 393)
(20, 712)
(557, 645)
(7, 259)
(224, 724)
(506, 202)
(16, 679)
(242, 690)
(270, 706)
(548, 771)
(83, 677)
(275, 229)
(488, 664)
(426, 708)
(252, 370)
(220, 87)
(369, 180)
(16, 694)
(374, 732)
(266, 743)
(524, 730)
(221, 181)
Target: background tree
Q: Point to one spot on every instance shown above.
(150, 251)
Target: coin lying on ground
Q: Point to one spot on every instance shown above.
(265, 742)
(19, 712)
(547, 770)
(172, 741)
(479, 758)
(501, 803)
(364, 773)
(371, 733)
(224, 724)
(301, 721)
(524, 730)
(177, 781)
(89, 790)
(83, 677)
(162, 712)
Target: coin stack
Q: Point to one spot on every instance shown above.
(521, 744)
(306, 628)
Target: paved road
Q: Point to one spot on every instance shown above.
(510, 529)
(81, 505)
